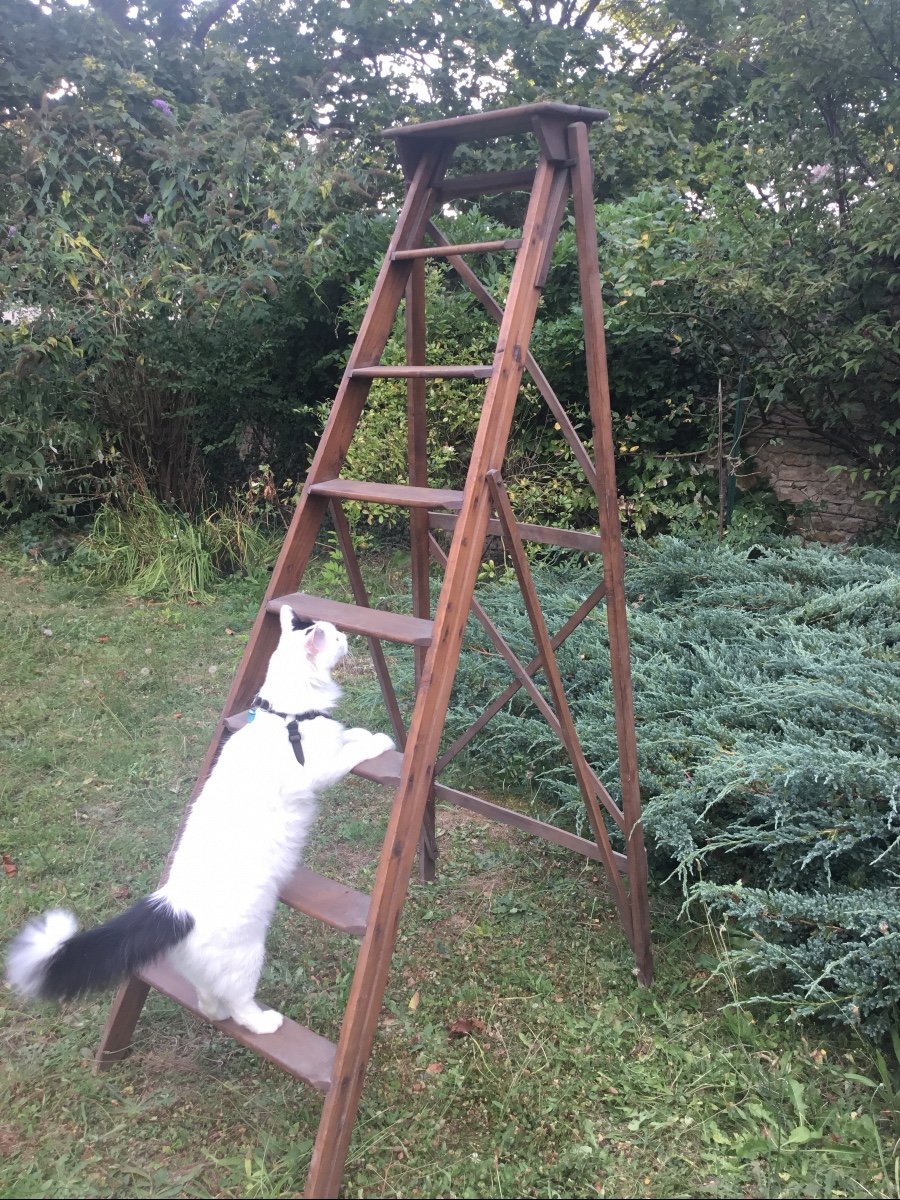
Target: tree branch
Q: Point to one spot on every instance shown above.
(214, 14)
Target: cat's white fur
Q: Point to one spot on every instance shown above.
(244, 834)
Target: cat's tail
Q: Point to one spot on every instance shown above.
(51, 960)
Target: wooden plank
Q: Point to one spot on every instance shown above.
(423, 372)
(388, 493)
(587, 606)
(325, 900)
(293, 1047)
(352, 618)
(495, 123)
(541, 829)
(385, 768)
(570, 539)
(464, 248)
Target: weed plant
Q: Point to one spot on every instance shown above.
(155, 550)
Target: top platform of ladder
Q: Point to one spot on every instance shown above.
(546, 120)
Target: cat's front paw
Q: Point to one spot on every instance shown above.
(267, 1020)
(380, 742)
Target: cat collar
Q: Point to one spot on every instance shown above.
(293, 723)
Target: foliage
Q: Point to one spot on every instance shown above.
(190, 194)
(766, 692)
(662, 425)
(142, 244)
(152, 550)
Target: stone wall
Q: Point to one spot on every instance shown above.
(794, 461)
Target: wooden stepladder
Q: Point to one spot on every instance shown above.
(481, 509)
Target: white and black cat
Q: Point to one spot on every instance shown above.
(241, 842)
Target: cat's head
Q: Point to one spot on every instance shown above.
(309, 646)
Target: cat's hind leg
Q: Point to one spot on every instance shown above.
(236, 987)
(212, 1007)
(258, 1020)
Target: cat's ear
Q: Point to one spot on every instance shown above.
(315, 641)
(286, 617)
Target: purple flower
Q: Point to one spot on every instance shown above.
(164, 107)
(12, 231)
(146, 219)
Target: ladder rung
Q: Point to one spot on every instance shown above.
(370, 622)
(420, 372)
(326, 900)
(389, 493)
(450, 251)
(462, 187)
(384, 768)
(293, 1047)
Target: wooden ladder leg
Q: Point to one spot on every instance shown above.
(611, 540)
(420, 558)
(118, 1034)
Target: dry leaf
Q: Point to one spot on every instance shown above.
(414, 1001)
(434, 1068)
(465, 1026)
(103, 638)
(8, 865)
(121, 891)
(229, 632)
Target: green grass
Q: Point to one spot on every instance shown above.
(517, 1056)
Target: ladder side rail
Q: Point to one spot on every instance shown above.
(610, 531)
(304, 528)
(374, 331)
(417, 459)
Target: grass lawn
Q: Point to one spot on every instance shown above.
(517, 1056)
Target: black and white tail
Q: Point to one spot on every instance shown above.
(51, 960)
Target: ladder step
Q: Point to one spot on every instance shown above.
(419, 372)
(384, 769)
(324, 899)
(293, 1047)
(370, 622)
(452, 251)
(389, 493)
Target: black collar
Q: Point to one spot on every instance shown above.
(293, 723)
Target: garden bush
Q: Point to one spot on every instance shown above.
(767, 691)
